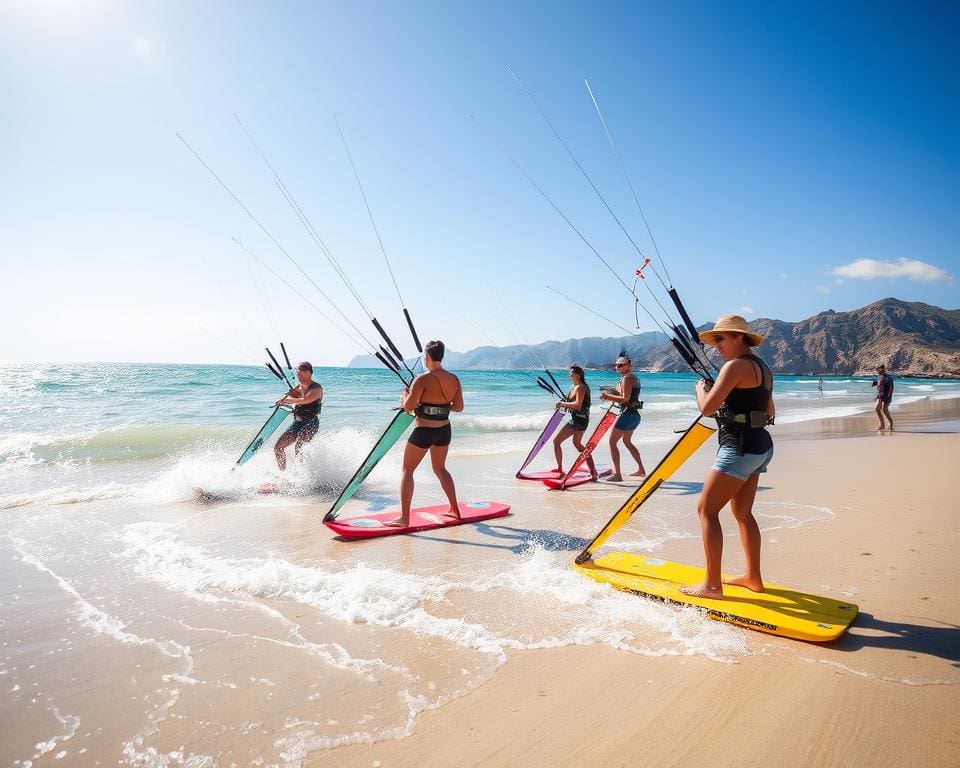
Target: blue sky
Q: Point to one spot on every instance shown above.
(790, 158)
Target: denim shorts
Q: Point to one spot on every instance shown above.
(742, 467)
(627, 421)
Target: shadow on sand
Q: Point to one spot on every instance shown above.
(522, 539)
(942, 641)
(686, 488)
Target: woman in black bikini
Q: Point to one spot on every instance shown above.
(578, 403)
(431, 396)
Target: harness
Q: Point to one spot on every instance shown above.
(310, 410)
(742, 422)
(751, 420)
(434, 411)
(632, 404)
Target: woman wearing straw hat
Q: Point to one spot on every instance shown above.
(742, 400)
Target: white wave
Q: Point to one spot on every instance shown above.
(687, 405)
(907, 399)
(515, 422)
(325, 463)
(96, 619)
(488, 445)
(70, 724)
(381, 596)
(922, 682)
(789, 416)
(71, 494)
(16, 448)
(921, 387)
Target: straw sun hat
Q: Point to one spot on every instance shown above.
(731, 324)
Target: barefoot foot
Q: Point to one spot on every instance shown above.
(615, 479)
(397, 523)
(754, 585)
(638, 473)
(704, 590)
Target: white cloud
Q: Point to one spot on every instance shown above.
(783, 275)
(747, 310)
(912, 269)
(823, 289)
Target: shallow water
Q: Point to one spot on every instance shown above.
(140, 625)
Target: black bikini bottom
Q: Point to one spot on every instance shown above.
(425, 437)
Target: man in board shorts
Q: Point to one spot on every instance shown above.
(306, 399)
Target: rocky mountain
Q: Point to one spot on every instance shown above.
(592, 352)
(911, 338)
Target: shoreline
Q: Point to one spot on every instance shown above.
(883, 692)
(154, 630)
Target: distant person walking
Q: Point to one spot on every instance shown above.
(884, 385)
(624, 395)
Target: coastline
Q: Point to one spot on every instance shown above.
(144, 629)
(883, 695)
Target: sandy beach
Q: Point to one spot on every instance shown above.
(884, 695)
(251, 258)
(243, 633)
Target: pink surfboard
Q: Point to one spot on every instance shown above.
(421, 519)
(573, 477)
(552, 474)
(557, 483)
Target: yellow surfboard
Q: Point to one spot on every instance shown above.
(777, 610)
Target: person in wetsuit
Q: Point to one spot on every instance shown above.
(431, 397)
(306, 399)
(742, 400)
(625, 394)
(578, 403)
(884, 385)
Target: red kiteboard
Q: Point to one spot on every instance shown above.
(421, 519)
(574, 477)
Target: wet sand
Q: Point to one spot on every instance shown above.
(243, 633)
(885, 694)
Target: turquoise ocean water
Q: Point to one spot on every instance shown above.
(78, 427)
